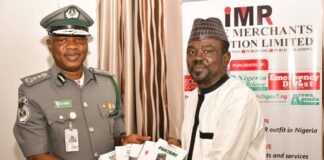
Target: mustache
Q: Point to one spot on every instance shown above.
(198, 63)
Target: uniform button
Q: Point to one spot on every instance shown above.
(61, 117)
(85, 104)
(91, 129)
(96, 154)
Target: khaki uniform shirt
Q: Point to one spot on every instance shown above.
(46, 101)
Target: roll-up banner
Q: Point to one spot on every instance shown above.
(276, 49)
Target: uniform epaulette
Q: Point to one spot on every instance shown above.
(101, 72)
(35, 78)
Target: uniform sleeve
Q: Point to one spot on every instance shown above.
(241, 134)
(30, 127)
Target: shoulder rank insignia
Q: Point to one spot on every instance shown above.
(36, 78)
(23, 113)
(102, 72)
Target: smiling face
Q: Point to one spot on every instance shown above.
(206, 61)
(69, 52)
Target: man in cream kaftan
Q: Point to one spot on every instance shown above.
(230, 123)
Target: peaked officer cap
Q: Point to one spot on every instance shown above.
(69, 20)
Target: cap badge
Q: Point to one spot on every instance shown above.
(72, 12)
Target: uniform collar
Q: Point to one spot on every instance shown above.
(214, 86)
(60, 79)
(88, 76)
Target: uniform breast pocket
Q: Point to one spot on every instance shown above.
(57, 122)
(106, 119)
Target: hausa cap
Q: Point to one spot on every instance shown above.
(210, 28)
(69, 20)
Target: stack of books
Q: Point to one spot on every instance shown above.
(150, 150)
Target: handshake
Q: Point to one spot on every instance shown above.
(160, 150)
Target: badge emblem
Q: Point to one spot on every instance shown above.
(72, 13)
(112, 110)
(23, 113)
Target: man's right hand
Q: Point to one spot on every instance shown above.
(174, 141)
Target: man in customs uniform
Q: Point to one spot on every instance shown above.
(69, 111)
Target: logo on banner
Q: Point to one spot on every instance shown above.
(243, 15)
(249, 65)
(305, 99)
(251, 30)
(294, 81)
(189, 83)
(254, 82)
(272, 97)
